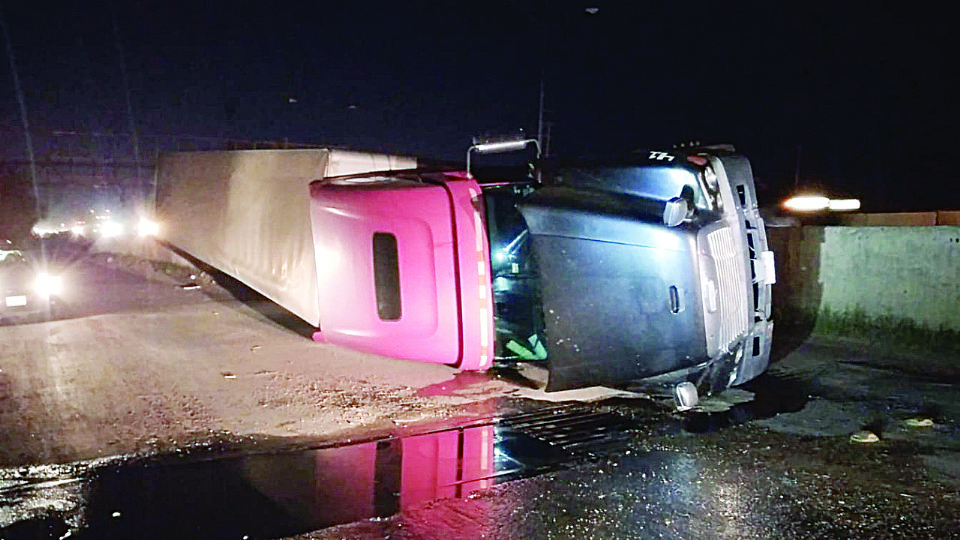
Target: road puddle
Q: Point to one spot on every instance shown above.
(271, 495)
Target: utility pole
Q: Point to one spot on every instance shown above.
(543, 74)
(540, 111)
(544, 26)
(23, 116)
(135, 139)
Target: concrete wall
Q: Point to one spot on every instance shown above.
(894, 273)
(901, 219)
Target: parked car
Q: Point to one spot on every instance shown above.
(29, 291)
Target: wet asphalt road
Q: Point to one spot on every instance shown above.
(771, 460)
(775, 461)
(619, 468)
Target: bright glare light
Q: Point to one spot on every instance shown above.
(807, 203)
(148, 227)
(817, 203)
(840, 205)
(109, 229)
(47, 285)
(42, 230)
(77, 230)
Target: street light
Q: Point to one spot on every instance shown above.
(819, 203)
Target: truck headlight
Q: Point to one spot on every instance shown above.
(148, 227)
(48, 285)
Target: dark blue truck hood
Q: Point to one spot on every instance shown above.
(620, 291)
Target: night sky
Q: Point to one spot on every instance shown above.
(866, 93)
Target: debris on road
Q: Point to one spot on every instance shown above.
(864, 437)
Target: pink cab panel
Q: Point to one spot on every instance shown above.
(402, 268)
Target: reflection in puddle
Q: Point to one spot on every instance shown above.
(277, 495)
(460, 381)
(268, 496)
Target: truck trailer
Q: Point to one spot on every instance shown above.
(643, 270)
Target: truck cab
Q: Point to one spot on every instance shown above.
(646, 270)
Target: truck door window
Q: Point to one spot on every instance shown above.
(386, 275)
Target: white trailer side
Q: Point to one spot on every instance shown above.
(246, 213)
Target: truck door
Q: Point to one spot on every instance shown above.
(403, 267)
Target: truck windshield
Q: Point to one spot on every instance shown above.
(649, 182)
(516, 287)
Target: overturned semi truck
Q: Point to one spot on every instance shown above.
(644, 270)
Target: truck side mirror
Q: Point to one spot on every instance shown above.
(675, 211)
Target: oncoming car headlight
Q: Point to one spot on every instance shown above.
(47, 285)
(110, 229)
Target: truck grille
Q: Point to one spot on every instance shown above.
(733, 283)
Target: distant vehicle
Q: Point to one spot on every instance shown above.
(28, 291)
(649, 269)
(100, 226)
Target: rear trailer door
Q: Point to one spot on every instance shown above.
(402, 268)
(619, 292)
